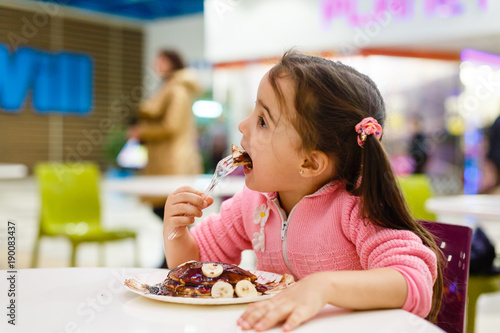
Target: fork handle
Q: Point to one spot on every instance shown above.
(174, 232)
(213, 183)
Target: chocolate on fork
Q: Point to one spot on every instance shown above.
(240, 156)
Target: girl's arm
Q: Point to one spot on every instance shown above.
(181, 249)
(219, 237)
(181, 208)
(223, 236)
(361, 290)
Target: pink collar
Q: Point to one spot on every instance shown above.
(325, 189)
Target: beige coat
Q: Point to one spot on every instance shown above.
(167, 127)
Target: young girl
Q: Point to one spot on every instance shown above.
(321, 202)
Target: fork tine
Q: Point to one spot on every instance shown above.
(228, 160)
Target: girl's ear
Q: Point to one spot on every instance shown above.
(315, 164)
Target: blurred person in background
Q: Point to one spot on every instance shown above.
(167, 126)
(418, 149)
(493, 154)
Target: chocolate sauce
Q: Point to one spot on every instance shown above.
(175, 289)
(240, 156)
(262, 288)
(191, 273)
(188, 281)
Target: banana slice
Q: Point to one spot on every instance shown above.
(222, 289)
(187, 262)
(288, 278)
(212, 270)
(245, 288)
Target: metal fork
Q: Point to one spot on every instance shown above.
(224, 168)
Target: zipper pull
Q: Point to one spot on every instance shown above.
(284, 226)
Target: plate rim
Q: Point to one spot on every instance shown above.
(201, 300)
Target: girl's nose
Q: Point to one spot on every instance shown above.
(241, 125)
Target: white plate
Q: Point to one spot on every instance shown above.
(134, 285)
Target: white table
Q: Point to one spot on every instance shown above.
(13, 171)
(472, 210)
(487, 310)
(94, 300)
(481, 207)
(161, 186)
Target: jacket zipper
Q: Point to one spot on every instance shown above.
(284, 230)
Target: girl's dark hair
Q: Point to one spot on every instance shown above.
(174, 58)
(330, 99)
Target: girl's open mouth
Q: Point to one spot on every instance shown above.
(241, 157)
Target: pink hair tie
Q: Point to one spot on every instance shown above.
(368, 126)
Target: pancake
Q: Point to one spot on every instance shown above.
(174, 288)
(191, 280)
(191, 273)
(240, 156)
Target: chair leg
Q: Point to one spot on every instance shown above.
(136, 252)
(36, 249)
(102, 254)
(74, 246)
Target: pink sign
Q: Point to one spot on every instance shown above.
(402, 10)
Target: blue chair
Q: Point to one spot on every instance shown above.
(455, 243)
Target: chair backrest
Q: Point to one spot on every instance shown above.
(455, 243)
(69, 196)
(416, 190)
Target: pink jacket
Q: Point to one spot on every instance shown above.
(323, 232)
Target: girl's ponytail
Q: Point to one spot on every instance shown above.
(382, 201)
(384, 205)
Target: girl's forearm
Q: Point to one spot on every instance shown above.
(180, 249)
(363, 290)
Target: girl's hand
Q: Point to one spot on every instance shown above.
(295, 305)
(182, 206)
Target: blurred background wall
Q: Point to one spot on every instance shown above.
(115, 48)
(416, 52)
(184, 33)
(265, 28)
(412, 49)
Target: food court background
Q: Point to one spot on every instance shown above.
(416, 51)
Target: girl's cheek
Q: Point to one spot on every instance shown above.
(263, 138)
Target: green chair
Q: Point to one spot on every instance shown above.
(479, 284)
(70, 207)
(416, 190)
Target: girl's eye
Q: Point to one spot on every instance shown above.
(262, 122)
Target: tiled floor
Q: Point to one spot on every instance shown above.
(19, 202)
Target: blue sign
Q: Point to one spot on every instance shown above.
(59, 82)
